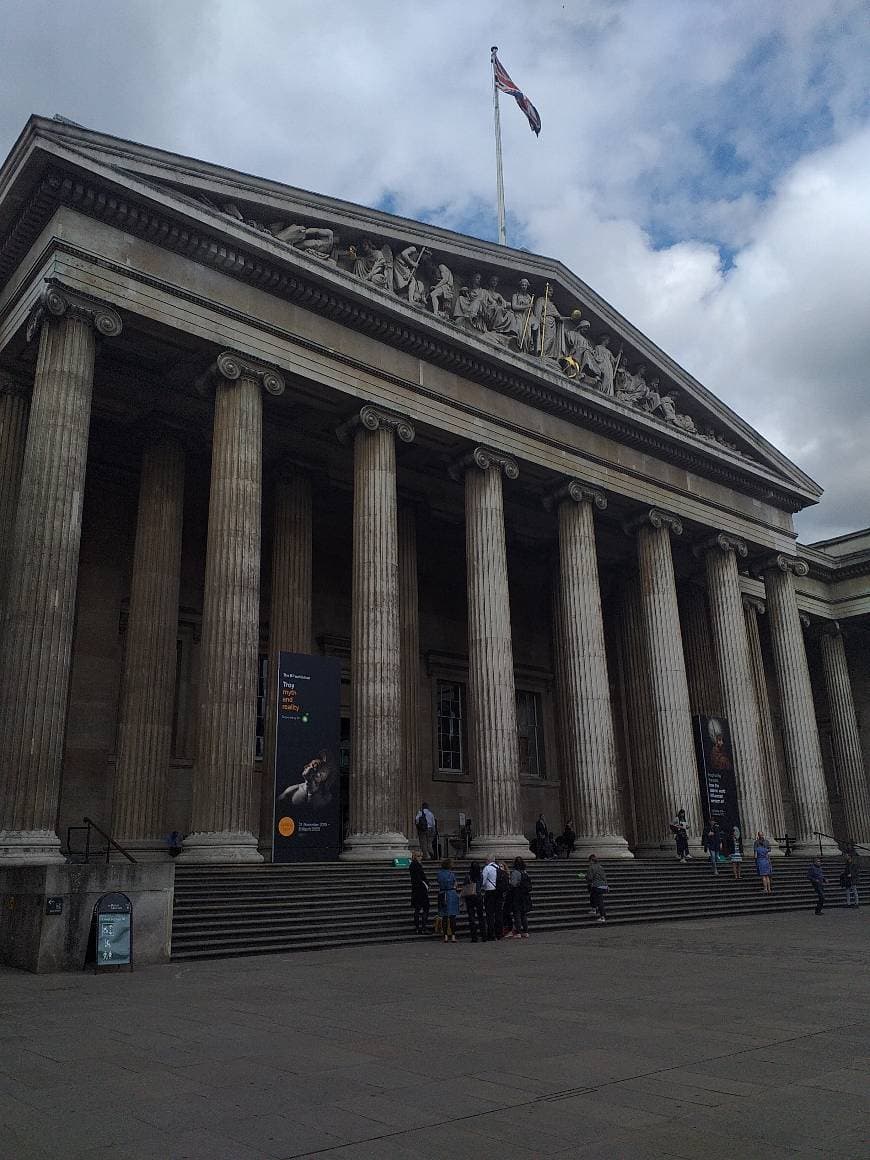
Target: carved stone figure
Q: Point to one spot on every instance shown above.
(671, 415)
(631, 388)
(373, 264)
(547, 325)
(406, 271)
(601, 365)
(576, 347)
(498, 318)
(652, 400)
(441, 295)
(522, 304)
(311, 239)
(468, 310)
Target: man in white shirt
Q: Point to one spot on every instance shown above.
(490, 898)
(425, 823)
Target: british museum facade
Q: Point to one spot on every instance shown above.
(238, 419)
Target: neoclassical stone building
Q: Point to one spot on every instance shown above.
(238, 418)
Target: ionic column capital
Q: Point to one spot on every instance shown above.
(574, 489)
(373, 418)
(781, 563)
(753, 602)
(721, 542)
(653, 518)
(58, 301)
(231, 367)
(483, 458)
(804, 619)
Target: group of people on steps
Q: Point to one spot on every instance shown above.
(497, 900)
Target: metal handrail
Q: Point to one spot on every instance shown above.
(855, 845)
(91, 824)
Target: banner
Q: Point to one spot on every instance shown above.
(307, 821)
(716, 772)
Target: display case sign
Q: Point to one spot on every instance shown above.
(113, 921)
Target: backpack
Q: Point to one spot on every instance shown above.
(502, 881)
(422, 824)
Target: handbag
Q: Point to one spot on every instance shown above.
(469, 889)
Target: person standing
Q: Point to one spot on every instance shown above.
(596, 880)
(735, 854)
(472, 892)
(425, 824)
(419, 892)
(713, 845)
(448, 900)
(488, 880)
(849, 878)
(763, 865)
(817, 879)
(681, 836)
(567, 840)
(504, 913)
(520, 892)
(541, 832)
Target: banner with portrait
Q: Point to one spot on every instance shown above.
(307, 819)
(716, 772)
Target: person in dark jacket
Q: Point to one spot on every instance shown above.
(502, 901)
(596, 880)
(713, 845)
(520, 896)
(817, 879)
(419, 892)
(472, 892)
(541, 832)
(567, 840)
(849, 878)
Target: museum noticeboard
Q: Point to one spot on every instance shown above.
(307, 817)
(716, 772)
(113, 931)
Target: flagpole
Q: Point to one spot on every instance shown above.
(502, 236)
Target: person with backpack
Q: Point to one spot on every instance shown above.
(521, 900)
(425, 825)
(849, 878)
(491, 906)
(596, 880)
(472, 893)
(502, 901)
(818, 882)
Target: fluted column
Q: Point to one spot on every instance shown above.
(671, 720)
(592, 790)
(650, 811)
(566, 792)
(145, 721)
(409, 636)
(847, 740)
(491, 694)
(800, 736)
(752, 606)
(735, 679)
(226, 736)
(701, 674)
(13, 434)
(43, 574)
(289, 610)
(376, 683)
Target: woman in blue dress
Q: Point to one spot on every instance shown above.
(762, 861)
(448, 901)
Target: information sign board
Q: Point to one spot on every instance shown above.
(113, 933)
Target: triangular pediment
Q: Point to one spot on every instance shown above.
(528, 314)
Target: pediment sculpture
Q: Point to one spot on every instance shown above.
(521, 319)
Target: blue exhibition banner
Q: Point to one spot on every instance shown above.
(716, 772)
(307, 821)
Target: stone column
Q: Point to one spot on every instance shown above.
(752, 606)
(592, 789)
(672, 723)
(491, 693)
(13, 434)
(650, 811)
(226, 733)
(43, 573)
(847, 740)
(409, 637)
(148, 685)
(701, 675)
(735, 679)
(289, 611)
(376, 682)
(800, 736)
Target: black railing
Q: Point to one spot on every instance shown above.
(85, 855)
(843, 846)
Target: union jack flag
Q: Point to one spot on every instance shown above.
(506, 85)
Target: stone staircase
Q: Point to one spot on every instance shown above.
(221, 911)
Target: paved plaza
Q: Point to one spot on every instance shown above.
(746, 1038)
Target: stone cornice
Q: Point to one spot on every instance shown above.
(722, 542)
(372, 418)
(654, 518)
(483, 458)
(576, 491)
(423, 337)
(781, 563)
(58, 301)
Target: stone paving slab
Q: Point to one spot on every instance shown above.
(604, 1044)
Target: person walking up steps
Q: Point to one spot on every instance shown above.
(596, 880)
(762, 861)
(817, 879)
(425, 825)
(681, 836)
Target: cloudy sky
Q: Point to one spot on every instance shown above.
(703, 164)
